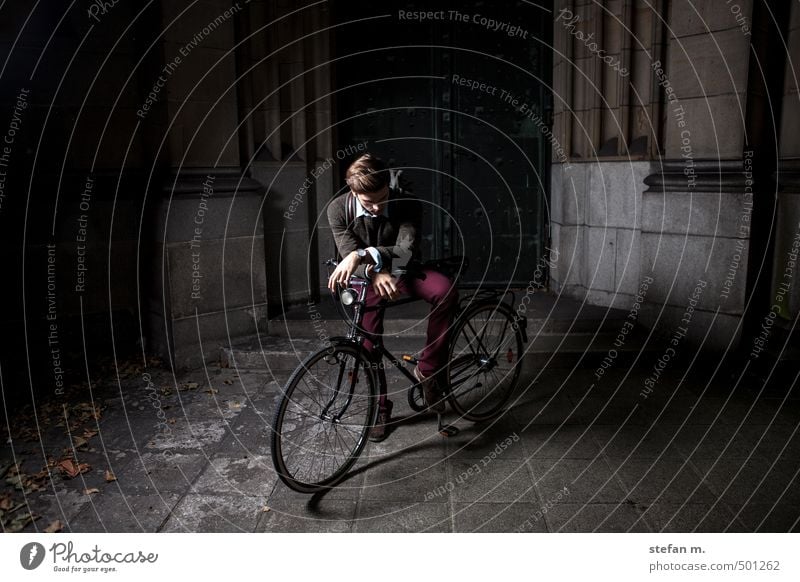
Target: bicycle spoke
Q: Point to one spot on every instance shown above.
(479, 387)
(323, 420)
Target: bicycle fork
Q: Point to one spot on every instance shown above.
(353, 379)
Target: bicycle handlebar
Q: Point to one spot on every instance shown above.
(449, 265)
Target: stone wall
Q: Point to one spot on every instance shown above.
(596, 226)
(676, 210)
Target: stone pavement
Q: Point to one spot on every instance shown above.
(191, 454)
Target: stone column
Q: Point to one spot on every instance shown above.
(698, 209)
(288, 86)
(605, 103)
(786, 268)
(209, 284)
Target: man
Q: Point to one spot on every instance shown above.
(382, 233)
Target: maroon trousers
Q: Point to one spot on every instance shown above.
(440, 292)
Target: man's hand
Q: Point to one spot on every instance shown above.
(384, 285)
(343, 271)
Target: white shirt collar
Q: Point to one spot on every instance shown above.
(361, 211)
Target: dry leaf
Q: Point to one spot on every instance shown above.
(265, 509)
(54, 527)
(211, 391)
(70, 469)
(91, 491)
(19, 522)
(228, 382)
(5, 502)
(17, 481)
(110, 476)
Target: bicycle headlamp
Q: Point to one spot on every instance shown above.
(348, 296)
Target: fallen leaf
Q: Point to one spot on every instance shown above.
(71, 469)
(91, 491)
(15, 508)
(18, 481)
(191, 385)
(110, 476)
(265, 509)
(54, 527)
(5, 502)
(19, 522)
(211, 391)
(228, 382)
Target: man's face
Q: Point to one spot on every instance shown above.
(374, 202)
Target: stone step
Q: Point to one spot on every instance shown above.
(543, 350)
(545, 314)
(415, 327)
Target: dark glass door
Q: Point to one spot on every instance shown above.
(456, 95)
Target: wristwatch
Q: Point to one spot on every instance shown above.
(361, 253)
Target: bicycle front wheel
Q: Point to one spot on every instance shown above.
(484, 363)
(323, 419)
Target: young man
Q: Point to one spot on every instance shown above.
(382, 234)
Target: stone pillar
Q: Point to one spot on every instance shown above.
(287, 91)
(786, 269)
(651, 104)
(697, 212)
(208, 284)
(605, 103)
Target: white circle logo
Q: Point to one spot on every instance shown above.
(31, 556)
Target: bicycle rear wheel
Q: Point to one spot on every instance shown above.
(323, 419)
(484, 363)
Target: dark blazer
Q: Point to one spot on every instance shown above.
(397, 235)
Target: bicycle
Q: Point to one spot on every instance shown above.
(330, 401)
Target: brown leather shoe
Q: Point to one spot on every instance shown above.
(430, 391)
(380, 431)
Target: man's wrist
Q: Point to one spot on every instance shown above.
(360, 255)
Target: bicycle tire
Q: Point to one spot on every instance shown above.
(322, 422)
(484, 361)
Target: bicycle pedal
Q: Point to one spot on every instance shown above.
(446, 430)
(449, 431)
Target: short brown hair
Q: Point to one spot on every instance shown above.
(367, 174)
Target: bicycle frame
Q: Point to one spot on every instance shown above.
(356, 334)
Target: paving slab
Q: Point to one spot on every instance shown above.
(692, 517)
(595, 517)
(400, 517)
(498, 518)
(192, 454)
